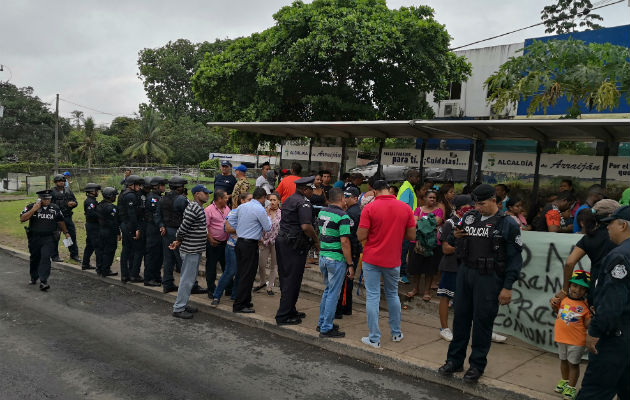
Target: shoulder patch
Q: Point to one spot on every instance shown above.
(518, 240)
(470, 219)
(619, 271)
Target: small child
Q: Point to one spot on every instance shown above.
(570, 333)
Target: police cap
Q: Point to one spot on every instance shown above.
(132, 180)
(45, 194)
(109, 193)
(305, 181)
(58, 178)
(90, 187)
(177, 181)
(157, 180)
(483, 192)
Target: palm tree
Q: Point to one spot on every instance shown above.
(148, 140)
(78, 116)
(89, 142)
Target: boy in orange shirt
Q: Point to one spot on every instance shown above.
(570, 333)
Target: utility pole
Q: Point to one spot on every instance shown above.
(57, 135)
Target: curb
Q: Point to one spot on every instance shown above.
(486, 388)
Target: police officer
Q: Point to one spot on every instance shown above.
(91, 223)
(44, 219)
(153, 253)
(489, 255)
(608, 339)
(108, 233)
(66, 201)
(295, 238)
(130, 214)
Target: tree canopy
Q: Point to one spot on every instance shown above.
(566, 15)
(332, 60)
(593, 74)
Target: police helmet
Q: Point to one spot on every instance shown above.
(133, 180)
(141, 181)
(157, 180)
(110, 193)
(177, 181)
(59, 177)
(92, 187)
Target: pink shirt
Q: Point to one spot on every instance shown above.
(438, 213)
(215, 220)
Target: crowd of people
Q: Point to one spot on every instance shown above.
(464, 247)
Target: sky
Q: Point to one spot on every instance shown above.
(87, 50)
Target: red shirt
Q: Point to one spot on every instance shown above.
(386, 220)
(287, 187)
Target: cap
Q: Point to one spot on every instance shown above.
(605, 207)
(67, 173)
(462, 200)
(620, 213)
(285, 171)
(45, 194)
(200, 188)
(380, 185)
(351, 192)
(581, 277)
(226, 163)
(483, 192)
(241, 168)
(305, 181)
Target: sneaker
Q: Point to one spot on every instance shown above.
(366, 340)
(446, 334)
(498, 338)
(562, 384)
(569, 392)
(182, 314)
(333, 334)
(215, 302)
(397, 338)
(44, 286)
(403, 279)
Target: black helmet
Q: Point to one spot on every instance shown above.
(177, 181)
(110, 193)
(59, 177)
(141, 181)
(91, 187)
(157, 180)
(132, 180)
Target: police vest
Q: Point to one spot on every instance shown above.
(170, 217)
(44, 221)
(123, 206)
(150, 206)
(60, 199)
(89, 209)
(484, 239)
(107, 215)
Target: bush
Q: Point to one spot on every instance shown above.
(209, 164)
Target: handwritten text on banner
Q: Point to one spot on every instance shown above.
(589, 167)
(326, 154)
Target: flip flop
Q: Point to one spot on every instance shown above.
(410, 295)
(426, 297)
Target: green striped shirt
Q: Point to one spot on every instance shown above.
(333, 223)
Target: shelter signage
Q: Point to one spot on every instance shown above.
(295, 152)
(618, 169)
(404, 157)
(446, 159)
(524, 163)
(589, 167)
(325, 154)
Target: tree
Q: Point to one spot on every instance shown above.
(86, 149)
(78, 117)
(193, 140)
(332, 60)
(594, 74)
(566, 15)
(148, 140)
(166, 73)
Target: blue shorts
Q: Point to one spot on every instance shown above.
(447, 285)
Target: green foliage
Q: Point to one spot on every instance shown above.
(32, 167)
(191, 141)
(86, 149)
(332, 60)
(209, 164)
(148, 140)
(595, 74)
(566, 15)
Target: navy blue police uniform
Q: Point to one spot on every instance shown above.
(61, 199)
(153, 254)
(108, 233)
(91, 225)
(130, 215)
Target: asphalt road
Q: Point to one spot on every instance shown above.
(86, 339)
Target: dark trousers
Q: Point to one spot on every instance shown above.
(214, 255)
(171, 257)
(247, 266)
(41, 249)
(72, 230)
(106, 251)
(290, 272)
(344, 304)
(91, 242)
(403, 257)
(476, 304)
(131, 255)
(153, 254)
(608, 371)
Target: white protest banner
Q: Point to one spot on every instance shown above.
(326, 154)
(589, 167)
(405, 157)
(618, 169)
(524, 163)
(446, 159)
(529, 316)
(293, 152)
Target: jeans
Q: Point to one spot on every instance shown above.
(228, 274)
(372, 275)
(188, 277)
(333, 272)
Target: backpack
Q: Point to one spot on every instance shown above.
(426, 238)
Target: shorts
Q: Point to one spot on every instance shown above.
(447, 285)
(571, 353)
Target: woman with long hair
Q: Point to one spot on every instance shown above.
(267, 246)
(445, 197)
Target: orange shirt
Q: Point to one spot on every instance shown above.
(287, 187)
(570, 327)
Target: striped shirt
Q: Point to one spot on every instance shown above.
(333, 224)
(193, 232)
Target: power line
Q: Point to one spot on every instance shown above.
(95, 110)
(531, 26)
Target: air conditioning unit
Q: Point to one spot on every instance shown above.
(451, 110)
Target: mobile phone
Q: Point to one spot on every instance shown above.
(39, 200)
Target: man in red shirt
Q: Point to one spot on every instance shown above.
(385, 222)
(287, 186)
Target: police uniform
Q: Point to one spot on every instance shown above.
(41, 241)
(608, 371)
(489, 260)
(91, 224)
(61, 199)
(153, 253)
(130, 214)
(108, 232)
(292, 245)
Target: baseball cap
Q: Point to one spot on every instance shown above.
(581, 277)
(67, 173)
(226, 163)
(241, 168)
(620, 213)
(200, 188)
(351, 192)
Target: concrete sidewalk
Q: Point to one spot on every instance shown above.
(515, 369)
